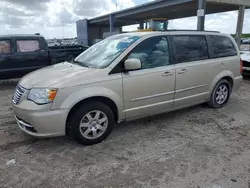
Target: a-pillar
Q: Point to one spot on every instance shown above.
(141, 25)
(240, 22)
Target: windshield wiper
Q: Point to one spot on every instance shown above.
(80, 63)
(75, 62)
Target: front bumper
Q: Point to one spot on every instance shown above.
(246, 71)
(39, 120)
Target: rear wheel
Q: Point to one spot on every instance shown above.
(220, 94)
(92, 123)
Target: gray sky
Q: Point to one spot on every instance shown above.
(48, 16)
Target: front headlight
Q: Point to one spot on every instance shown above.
(42, 96)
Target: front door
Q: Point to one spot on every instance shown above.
(149, 90)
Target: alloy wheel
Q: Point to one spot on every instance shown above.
(93, 124)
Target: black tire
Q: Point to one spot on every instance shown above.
(78, 115)
(213, 102)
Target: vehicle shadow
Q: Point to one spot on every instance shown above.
(164, 117)
(8, 84)
(246, 78)
(58, 143)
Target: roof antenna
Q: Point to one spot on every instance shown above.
(116, 5)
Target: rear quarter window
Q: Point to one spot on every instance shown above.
(27, 45)
(222, 46)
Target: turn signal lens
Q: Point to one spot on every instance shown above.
(51, 94)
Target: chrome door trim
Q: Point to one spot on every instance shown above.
(191, 96)
(168, 93)
(147, 106)
(153, 96)
(23, 123)
(190, 88)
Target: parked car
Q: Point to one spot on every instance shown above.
(21, 54)
(245, 56)
(126, 77)
(245, 41)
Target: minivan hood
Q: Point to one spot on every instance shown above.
(59, 75)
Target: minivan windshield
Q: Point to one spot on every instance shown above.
(103, 53)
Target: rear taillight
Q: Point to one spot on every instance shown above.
(241, 66)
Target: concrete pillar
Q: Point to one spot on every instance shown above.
(111, 23)
(141, 25)
(82, 32)
(201, 15)
(240, 22)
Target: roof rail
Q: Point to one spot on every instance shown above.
(191, 30)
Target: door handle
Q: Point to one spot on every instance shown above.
(182, 71)
(167, 74)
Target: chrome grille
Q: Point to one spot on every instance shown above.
(18, 94)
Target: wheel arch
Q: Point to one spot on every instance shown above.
(227, 75)
(105, 100)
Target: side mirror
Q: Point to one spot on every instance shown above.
(132, 64)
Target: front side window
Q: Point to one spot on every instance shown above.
(5, 47)
(190, 48)
(27, 45)
(152, 52)
(222, 46)
(103, 53)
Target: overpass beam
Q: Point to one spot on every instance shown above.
(111, 23)
(240, 23)
(201, 15)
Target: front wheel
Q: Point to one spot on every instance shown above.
(220, 94)
(92, 123)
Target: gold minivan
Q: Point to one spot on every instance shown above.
(126, 77)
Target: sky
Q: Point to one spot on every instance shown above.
(57, 18)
